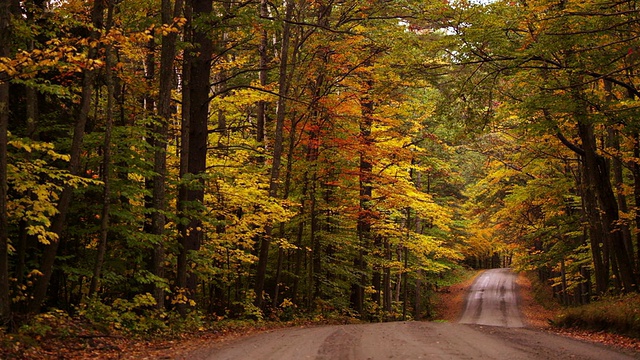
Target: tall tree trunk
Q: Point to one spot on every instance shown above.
(160, 138)
(261, 112)
(597, 238)
(192, 197)
(59, 222)
(185, 126)
(300, 252)
(106, 163)
(599, 181)
(285, 195)
(613, 140)
(363, 227)
(616, 167)
(278, 147)
(149, 103)
(636, 193)
(387, 286)
(5, 45)
(24, 240)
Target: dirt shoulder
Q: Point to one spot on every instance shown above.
(450, 300)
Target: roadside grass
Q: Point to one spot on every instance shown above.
(613, 314)
(617, 314)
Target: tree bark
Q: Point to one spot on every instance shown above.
(5, 44)
(599, 247)
(636, 193)
(616, 168)
(261, 112)
(278, 148)
(59, 222)
(613, 140)
(363, 226)
(192, 197)
(106, 164)
(160, 138)
(599, 182)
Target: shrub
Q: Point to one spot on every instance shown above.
(136, 316)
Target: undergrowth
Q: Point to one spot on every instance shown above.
(541, 292)
(617, 314)
(123, 324)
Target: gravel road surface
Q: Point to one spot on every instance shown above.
(493, 300)
(490, 328)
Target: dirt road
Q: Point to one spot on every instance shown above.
(493, 300)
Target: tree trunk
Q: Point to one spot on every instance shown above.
(300, 252)
(59, 222)
(106, 164)
(181, 266)
(622, 199)
(636, 194)
(363, 227)
(285, 195)
(386, 282)
(599, 181)
(278, 148)
(613, 140)
(261, 112)
(5, 43)
(599, 249)
(160, 138)
(192, 194)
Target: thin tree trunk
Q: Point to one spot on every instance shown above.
(405, 280)
(563, 276)
(363, 227)
(278, 147)
(386, 282)
(5, 42)
(261, 112)
(300, 251)
(161, 134)
(185, 126)
(106, 164)
(287, 189)
(636, 194)
(59, 222)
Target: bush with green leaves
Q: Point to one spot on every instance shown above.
(138, 315)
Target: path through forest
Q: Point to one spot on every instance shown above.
(492, 300)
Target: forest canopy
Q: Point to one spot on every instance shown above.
(256, 159)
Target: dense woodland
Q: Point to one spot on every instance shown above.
(165, 159)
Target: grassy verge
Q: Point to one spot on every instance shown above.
(619, 314)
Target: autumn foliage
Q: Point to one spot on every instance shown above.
(205, 160)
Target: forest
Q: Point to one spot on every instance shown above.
(254, 159)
